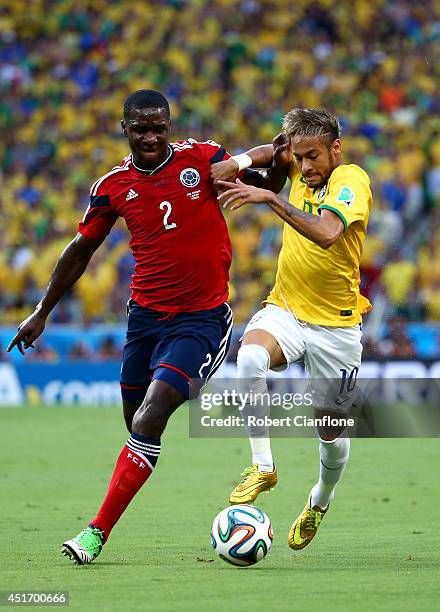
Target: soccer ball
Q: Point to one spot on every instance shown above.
(241, 535)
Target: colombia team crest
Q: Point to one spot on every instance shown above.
(189, 177)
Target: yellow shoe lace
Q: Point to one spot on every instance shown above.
(248, 471)
(313, 520)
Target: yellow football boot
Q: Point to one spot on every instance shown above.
(253, 483)
(304, 528)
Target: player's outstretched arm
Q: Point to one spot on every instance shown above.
(275, 157)
(258, 157)
(323, 229)
(70, 266)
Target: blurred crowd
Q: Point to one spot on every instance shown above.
(48, 350)
(230, 70)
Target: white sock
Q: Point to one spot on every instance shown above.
(253, 363)
(333, 459)
(262, 454)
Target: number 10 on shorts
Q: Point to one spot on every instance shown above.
(348, 381)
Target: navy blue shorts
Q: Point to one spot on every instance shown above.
(173, 348)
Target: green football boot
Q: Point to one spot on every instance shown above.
(85, 547)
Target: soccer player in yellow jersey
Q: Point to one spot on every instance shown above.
(315, 309)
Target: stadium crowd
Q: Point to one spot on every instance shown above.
(230, 73)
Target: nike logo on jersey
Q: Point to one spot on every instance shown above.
(131, 194)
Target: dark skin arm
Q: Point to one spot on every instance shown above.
(71, 264)
(275, 157)
(323, 229)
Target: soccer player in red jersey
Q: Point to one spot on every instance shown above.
(179, 323)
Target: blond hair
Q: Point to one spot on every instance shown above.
(312, 123)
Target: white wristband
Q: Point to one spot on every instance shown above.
(243, 160)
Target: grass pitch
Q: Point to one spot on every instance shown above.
(377, 548)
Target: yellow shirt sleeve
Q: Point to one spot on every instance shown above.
(294, 172)
(348, 195)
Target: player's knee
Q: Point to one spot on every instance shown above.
(152, 416)
(253, 361)
(149, 420)
(329, 434)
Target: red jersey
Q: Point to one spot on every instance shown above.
(179, 237)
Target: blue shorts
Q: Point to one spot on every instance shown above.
(175, 348)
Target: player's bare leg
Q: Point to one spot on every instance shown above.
(129, 409)
(134, 466)
(161, 400)
(334, 450)
(259, 352)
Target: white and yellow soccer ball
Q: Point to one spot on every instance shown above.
(241, 535)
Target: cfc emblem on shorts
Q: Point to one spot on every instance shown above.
(189, 177)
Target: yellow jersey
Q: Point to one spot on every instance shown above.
(321, 286)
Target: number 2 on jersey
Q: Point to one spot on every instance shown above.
(167, 206)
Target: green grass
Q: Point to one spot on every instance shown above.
(376, 550)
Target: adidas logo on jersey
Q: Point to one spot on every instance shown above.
(131, 194)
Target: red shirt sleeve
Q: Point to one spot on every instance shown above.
(100, 216)
(213, 152)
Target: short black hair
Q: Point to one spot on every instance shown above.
(145, 98)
